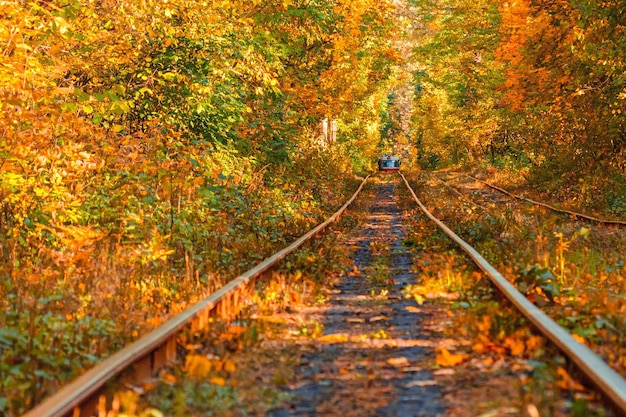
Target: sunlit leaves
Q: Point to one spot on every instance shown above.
(533, 80)
(157, 144)
(456, 80)
(199, 367)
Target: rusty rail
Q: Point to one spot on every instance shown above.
(157, 348)
(591, 365)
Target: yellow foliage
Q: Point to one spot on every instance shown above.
(198, 366)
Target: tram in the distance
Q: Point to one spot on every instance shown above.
(388, 163)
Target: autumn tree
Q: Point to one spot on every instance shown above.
(151, 150)
(455, 79)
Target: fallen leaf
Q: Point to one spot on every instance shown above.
(445, 358)
(169, 378)
(233, 332)
(532, 410)
(218, 381)
(485, 324)
(377, 318)
(492, 413)
(229, 366)
(355, 320)
(515, 345)
(191, 347)
(442, 372)
(354, 272)
(198, 366)
(412, 369)
(401, 361)
(578, 338)
(236, 329)
(567, 382)
(534, 342)
(334, 338)
(413, 309)
(419, 298)
(427, 383)
(479, 347)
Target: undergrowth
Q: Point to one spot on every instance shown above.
(228, 369)
(573, 271)
(139, 251)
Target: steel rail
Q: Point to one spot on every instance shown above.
(462, 196)
(539, 203)
(158, 347)
(592, 366)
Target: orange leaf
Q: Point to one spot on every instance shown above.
(237, 330)
(355, 320)
(354, 272)
(334, 338)
(485, 324)
(515, 345)
(479, 347)
(567, 382)
(198, 181)
(169, 378)
(198, 366)
(445, 358)
(401, 361)
(534, 342)
(229, 366)
(218, 381)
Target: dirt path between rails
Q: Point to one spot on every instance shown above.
(362, 350)
(374, 355)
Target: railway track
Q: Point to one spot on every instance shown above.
(574, 214)
(592, 366)
(159, 348)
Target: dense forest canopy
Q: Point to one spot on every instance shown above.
(120, 116)
(535, 85)
(148, 146)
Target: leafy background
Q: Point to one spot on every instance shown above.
(150, 151)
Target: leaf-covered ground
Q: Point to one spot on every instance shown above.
(403, 326)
